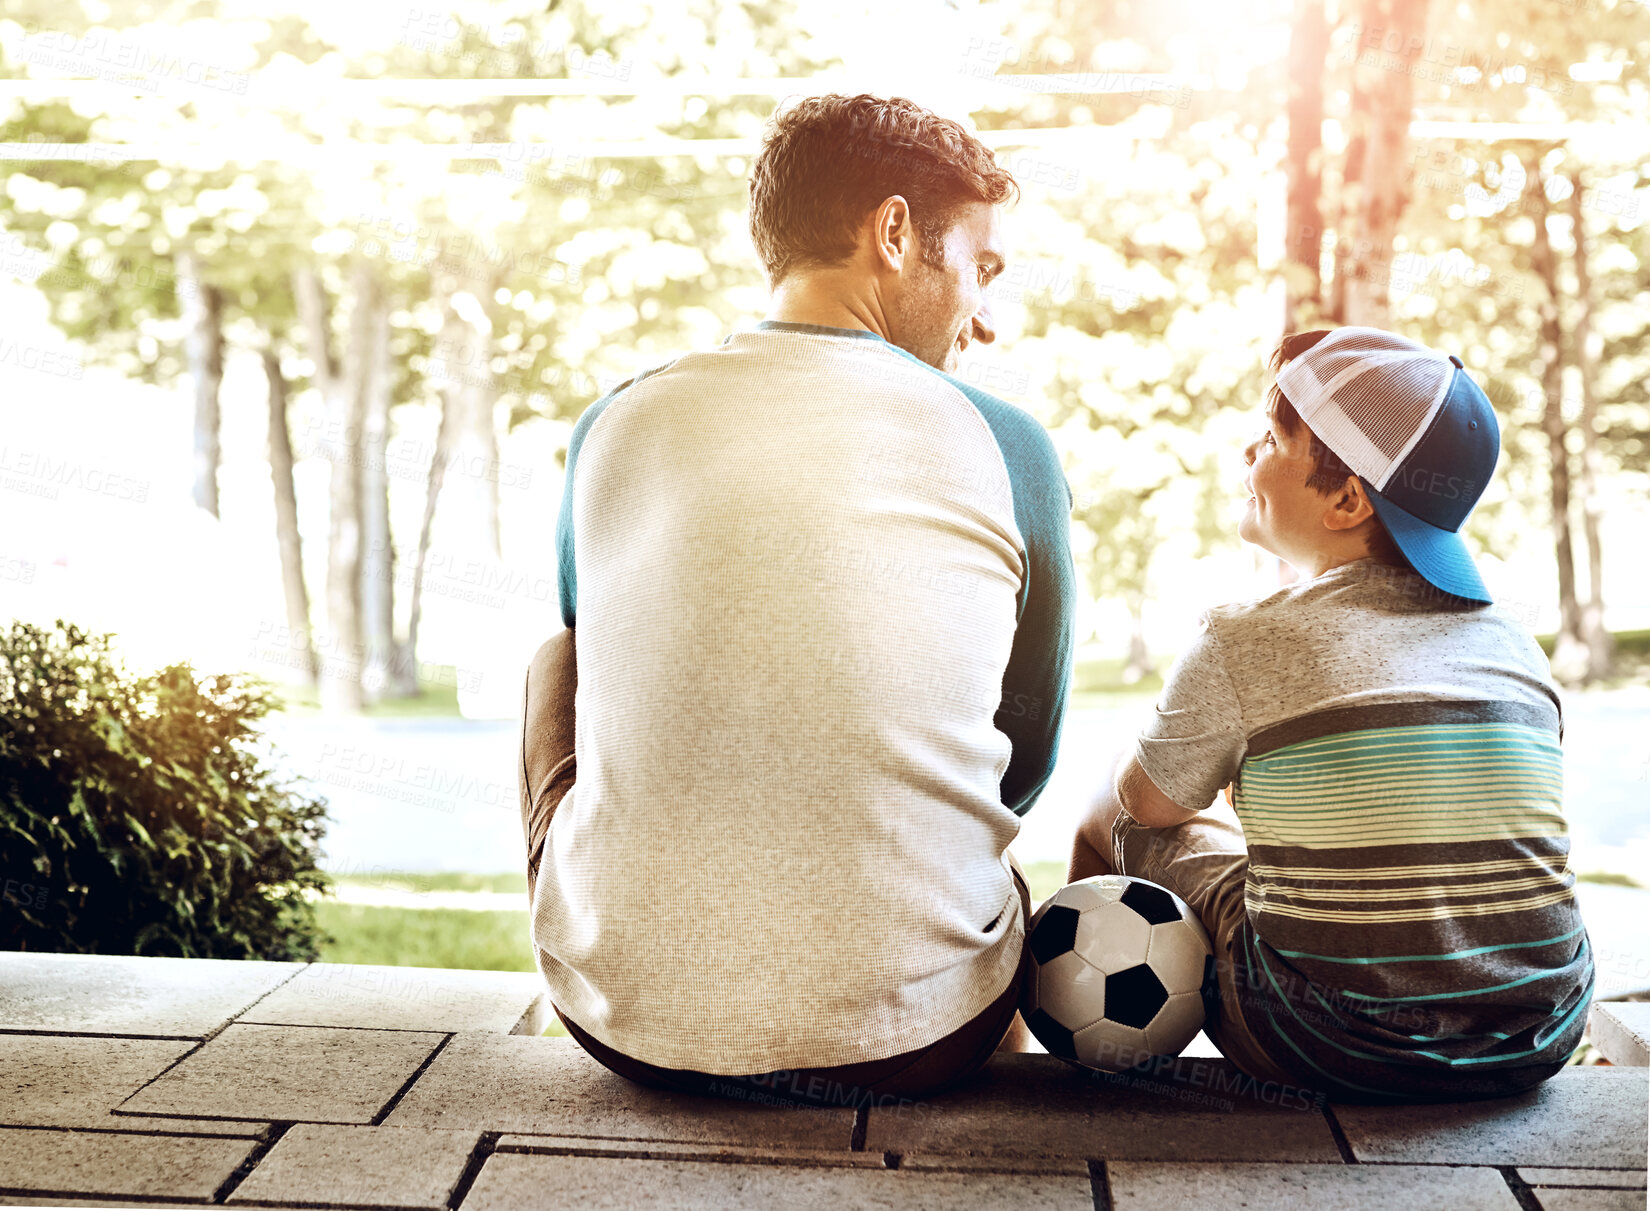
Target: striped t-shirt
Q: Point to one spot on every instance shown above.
(821, 594)
(1411, 927)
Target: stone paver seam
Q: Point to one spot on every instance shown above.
(1341, 1142)
(119, 1130)
(259, 1151)
(862, 1124)
(250, 1005)
(200, 1042)
(654, 1150)
(98, 1034)
(388, 1108)
(1100, 1186)
(1521, 1191)
(486, 1145)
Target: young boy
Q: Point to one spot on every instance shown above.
(1395, 918)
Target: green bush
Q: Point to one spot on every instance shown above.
(141, 814)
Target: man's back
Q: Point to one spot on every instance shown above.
(821, 597)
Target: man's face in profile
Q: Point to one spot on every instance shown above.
(944, 308)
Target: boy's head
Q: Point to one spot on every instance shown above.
(1375, 447)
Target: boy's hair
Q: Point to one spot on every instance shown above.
(826, 162)
(1328, 471)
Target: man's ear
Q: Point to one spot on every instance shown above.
(1350, 507)
(892, 236)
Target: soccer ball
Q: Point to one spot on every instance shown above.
(1117, 967)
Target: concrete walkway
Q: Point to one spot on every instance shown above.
(183, 1082)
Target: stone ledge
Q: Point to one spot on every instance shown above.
(1621, 1032)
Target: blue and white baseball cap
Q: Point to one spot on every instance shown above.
(1413, 426)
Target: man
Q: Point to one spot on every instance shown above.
(818, 600)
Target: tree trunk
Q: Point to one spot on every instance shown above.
(1308, 48)
(407, 666)
(1601, 647)
(1384, 173)
(201, 306)
(286, 519)
(1569, 654)
(1139, 663)
(369, 341)
(341, 679)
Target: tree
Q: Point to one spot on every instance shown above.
(1303, 254)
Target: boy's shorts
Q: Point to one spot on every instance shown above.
(1204, 861)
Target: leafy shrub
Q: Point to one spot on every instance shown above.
(141, 814)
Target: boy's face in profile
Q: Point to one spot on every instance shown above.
(1283, 515)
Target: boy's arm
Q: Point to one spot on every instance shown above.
(1193, 742)
(1145, 804)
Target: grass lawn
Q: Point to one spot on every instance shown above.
(425, 937)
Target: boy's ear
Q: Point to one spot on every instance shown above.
(1350, 507)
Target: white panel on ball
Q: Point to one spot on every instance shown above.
(1177, 952)
(1176, 1024)
(1071, 992)
(1113, 937)
(1111, 1046)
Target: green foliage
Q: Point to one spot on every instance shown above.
(426, 937)
(140, 815)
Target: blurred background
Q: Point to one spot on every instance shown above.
(299, 302)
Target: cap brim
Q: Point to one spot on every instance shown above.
(1438, 555)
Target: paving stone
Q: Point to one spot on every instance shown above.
(1590, 1200)
(1033, 1105)
(663, 1150)
(550, 1086)
(1622, 1179)
(1156, 1187)
(510, 1180)
(97, 1162)
(121, 994)
(370, 1166)
(58, 1081)
(995, 1164)
(1621, 1032)
(316, 1074)
(403, 998)
(1581, 1117)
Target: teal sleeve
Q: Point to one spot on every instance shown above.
(1038, 675)
(567, 577)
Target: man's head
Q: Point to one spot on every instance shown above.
(1306, 506)
(890, 205)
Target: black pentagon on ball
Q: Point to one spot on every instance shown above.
(1134, 996)
(1052, 1035)
(1055, 933)
(1151, 902)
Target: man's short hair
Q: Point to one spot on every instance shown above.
(1328, 471)
(827, 162)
